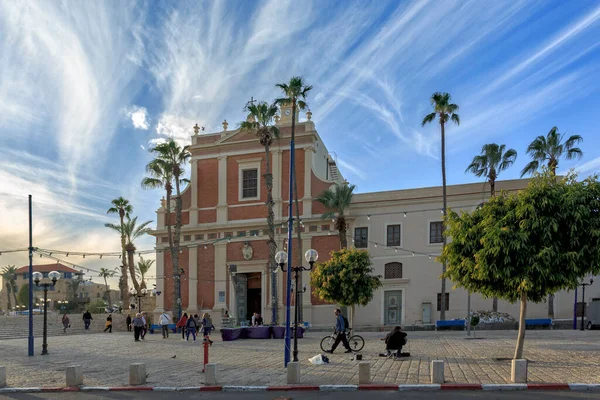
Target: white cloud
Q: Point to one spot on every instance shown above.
(139, 116)
(587, 168)
(353, 169)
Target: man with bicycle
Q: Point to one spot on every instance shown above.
(340, 329)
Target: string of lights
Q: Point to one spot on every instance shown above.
(12, 251)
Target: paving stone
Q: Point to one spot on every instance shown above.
(555, 356)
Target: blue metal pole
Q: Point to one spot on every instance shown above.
(575, 312)
(30, 347)
(289, 260)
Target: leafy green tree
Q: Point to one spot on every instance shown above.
(346, 279)
(547, 151)
(295, 92)
(97, 306)
(106, 273)
(445, 112)
(9, 278)
(174, 157)
(23, 296)
(122, 207)
(261, 120)
(142, 268)
(524, 246)
(131, 231)
(337, 201)
(492, 160)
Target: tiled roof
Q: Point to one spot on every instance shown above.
(47, 268)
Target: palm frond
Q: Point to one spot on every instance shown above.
(428, 118)
(574, 153)
(113, 226)
(530, 168)
(455, 118)
(572, 141)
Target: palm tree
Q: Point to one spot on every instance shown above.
(173, 155)
(132, 231)
(337, 201)
(106, 273)
(260, 120)
(9, 275)
(549, 149)
(445, 112)
(492, 160)
(142, 268)
(122, 207)
(161, 176)
(295, 93)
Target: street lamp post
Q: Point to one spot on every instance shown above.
(583, 310)
(139, 296)
(37, 278)
(281, 258)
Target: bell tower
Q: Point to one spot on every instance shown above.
(286, 114)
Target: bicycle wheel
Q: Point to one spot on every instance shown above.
(356, 343)
(327, 343)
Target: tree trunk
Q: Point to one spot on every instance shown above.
(8, 295)
(271, 265)
(107, 292)
(123, 285)
(299, 233)
(15, 290)
(176, 240)
(493, 193)
(342, 232)
(171, 249)
(521, 337)
(131, 262)
(551, 296)
(352, 316)
(443, 296)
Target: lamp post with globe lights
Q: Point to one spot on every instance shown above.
(142, 293)
(281, 258)
(583, 310)
(37, 278)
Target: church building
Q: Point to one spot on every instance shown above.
(224, 238)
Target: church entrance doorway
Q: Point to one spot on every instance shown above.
(254, 303)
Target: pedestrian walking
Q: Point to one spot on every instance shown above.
(181, 324)
(128, 322)
(87, 319)
(66, 322)
(207, 327)
(163, 321)
(137, 323)
(198, 323)
(191, 327)
(144, 326)
(108, 324)
(340, 328)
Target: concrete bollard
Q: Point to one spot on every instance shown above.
(137, 374)
(293, 373)
(2, 376)
(210, 374)
(437, 371)
(518, 371)
(74, 375)
(364, 372)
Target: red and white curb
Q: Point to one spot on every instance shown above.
(323, 388)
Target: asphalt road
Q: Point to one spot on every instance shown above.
(444, 395)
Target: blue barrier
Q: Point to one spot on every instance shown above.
(450, 324)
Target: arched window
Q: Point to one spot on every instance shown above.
(393, 270)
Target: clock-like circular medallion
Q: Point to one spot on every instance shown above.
(288, 111)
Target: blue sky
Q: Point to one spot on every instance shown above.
(87, 87)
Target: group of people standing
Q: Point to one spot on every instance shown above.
(191, 326)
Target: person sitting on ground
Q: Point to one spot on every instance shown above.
(258, 320)
(394, 341)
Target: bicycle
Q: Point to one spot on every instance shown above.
(356, 342)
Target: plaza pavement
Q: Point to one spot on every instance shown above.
(555, 357)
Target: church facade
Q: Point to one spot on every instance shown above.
(223, 238)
